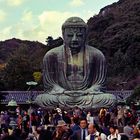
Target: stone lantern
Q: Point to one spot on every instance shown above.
(12, 105)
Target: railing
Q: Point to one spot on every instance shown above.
(21, 97)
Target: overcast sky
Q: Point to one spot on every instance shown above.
(37, 19)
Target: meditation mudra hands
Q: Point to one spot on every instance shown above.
(59, 90)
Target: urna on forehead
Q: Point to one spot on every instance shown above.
(74, 22)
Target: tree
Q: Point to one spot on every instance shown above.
(18, 70)
(49, 40)
(115, 31)
(2, 88)
(52, 43)
(135, 96)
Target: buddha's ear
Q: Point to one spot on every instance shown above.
(63, 31)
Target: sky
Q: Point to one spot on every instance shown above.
(35, 20)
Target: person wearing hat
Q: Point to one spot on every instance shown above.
(62, 132)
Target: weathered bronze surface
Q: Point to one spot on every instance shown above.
(74, 73)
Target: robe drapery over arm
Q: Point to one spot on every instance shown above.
(55, 71)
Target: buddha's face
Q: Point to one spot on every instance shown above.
(74, 38)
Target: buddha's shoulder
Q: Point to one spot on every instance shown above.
(54, 52)
(94, 51)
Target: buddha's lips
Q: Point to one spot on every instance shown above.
(74, 45)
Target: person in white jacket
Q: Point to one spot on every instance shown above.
(114, 135)
(94, 134)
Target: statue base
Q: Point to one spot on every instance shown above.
(95, 100)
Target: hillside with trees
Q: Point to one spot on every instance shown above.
(115, 31)
(19, 60)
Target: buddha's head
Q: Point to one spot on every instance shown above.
(74, 34)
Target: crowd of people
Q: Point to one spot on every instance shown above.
(72, 124)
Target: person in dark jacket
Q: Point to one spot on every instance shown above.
(82, 132)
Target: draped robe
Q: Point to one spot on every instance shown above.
(66, 83)
(56, 69)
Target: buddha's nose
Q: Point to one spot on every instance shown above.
(74, 38)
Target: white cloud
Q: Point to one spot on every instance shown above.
(2, 15)
(51, 22)
(5, 33)
(57, 17)
(14, 2)
(76, 3)
(27, 16)
(39, 27)
(86, 14)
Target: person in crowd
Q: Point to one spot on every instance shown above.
(75, 126)
(107, 118)
(124, 137)
(19, 121)
(12, 134)
(94, 134)
(77, 111)
(10, 130)
(82, 132)
(46, 120)
(62, 131)
(47, 133)
(113, 117)
(120, 117)
(56, 117)
(29, 136)
(70, 112)
(42, 135)
(83, 113)
(9, 137)
(102, 114)
(114, 135)
(33, 121)
(66, 117)
(4, 132)
(17, 133)
(2, 120)
(137, 134)
(88, 116)
(105, 129)
(25, 122)
(128, 130)
(58, 109)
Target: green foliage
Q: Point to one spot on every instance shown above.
(137, 91)
(135, 96)
(18, 69)
(116, 32)
(21, 58)
(2, 88)
(37, 76)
